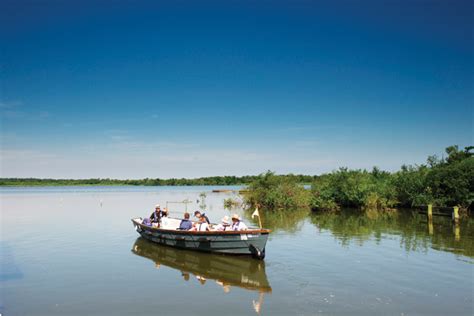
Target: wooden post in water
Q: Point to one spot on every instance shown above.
(430, 212)
(430, 227)
(456, 215)
(457, 232)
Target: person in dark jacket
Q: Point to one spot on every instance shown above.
(157, 214)
(198, 214)
(185, 224)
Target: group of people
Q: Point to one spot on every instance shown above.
(203, 224)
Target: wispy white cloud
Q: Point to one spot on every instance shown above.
(308, 128)
(13, 154)
(9, 104)
(9, 114)
(164, 160)
(123, 140)
(44, 115)
(10, 110)
(9, 138)
(118, 153)
(307, 143)
(117, 135)
(15, 110)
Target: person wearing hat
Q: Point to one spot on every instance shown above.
(198, 214)
(224, 224)
(157, 214)
(237, 224)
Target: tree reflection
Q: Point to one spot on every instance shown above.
(289, 220)
(416, 234)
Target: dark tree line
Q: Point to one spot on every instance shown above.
(216, 180)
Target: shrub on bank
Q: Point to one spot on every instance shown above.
(375, 202)
(445, 182)
(273, 192)
(353, 189)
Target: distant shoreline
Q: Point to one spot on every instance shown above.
(112, 185)
(216, 180)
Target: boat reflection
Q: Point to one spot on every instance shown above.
(227, 271)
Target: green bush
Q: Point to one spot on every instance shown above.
(273, 192)
(410, 184)
(446, 182)
(452, 181)
(353, 188)
(375, 202)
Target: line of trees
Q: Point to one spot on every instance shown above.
(217, 180)
(442, 182)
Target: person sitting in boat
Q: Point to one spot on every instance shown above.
(224, 224)
(164, 218)
(237, 224)
(198, 214)
(201, 226)
(157, 214)
(185, 224)
(146, 222)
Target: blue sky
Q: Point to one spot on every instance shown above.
(138, 89)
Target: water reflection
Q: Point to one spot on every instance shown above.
(289, 220)
(416, 233)
(353, 226)
(9, 269)
(226, 271)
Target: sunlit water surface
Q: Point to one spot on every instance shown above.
(73, 251)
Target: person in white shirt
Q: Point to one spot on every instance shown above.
(202, 225)
(237, 224)
(224, 224)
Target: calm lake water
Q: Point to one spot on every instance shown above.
(73, 251)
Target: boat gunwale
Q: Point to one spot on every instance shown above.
(263, 231)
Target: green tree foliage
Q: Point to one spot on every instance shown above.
(452, 181)
(410, 183)
(443, 182)
(216, 180)
(353, 188)
(272, 192)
